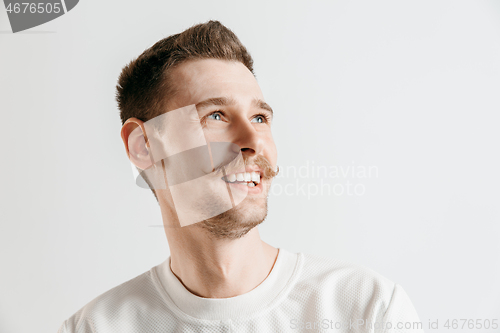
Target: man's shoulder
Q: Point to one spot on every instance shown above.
(340, 271)
(344, 282)
(131, 299)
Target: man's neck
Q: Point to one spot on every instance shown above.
(219, 268)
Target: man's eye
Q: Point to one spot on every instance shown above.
(215, 116)
(259, 119)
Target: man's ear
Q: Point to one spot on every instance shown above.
(136, 143)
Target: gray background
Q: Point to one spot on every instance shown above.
(409, 87)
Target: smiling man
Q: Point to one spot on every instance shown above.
(198, 130)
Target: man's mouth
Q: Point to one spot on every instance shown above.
(251, 179)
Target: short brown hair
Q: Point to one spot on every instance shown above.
(143, 86)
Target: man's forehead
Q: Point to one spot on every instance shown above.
(211, 67)
(215, 82)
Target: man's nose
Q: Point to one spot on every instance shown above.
(248, 139)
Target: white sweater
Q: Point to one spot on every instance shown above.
(302, 293)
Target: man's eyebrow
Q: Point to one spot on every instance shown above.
(220, 101)
(263, 105)
(224, 101)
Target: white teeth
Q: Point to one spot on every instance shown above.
(250, 184)
(256, 177)
(244, 177)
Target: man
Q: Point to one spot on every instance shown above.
(197, 128)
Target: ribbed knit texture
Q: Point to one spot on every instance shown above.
(302, 293)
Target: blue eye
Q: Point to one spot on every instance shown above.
(215, 116)
(259, 119)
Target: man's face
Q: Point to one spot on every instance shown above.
(231, 109)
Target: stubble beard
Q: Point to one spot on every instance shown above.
(236, 222)
(252, 211)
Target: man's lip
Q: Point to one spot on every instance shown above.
(257, 186)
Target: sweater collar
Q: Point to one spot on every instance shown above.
(245, 305)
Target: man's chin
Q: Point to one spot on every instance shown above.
(236, 222)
